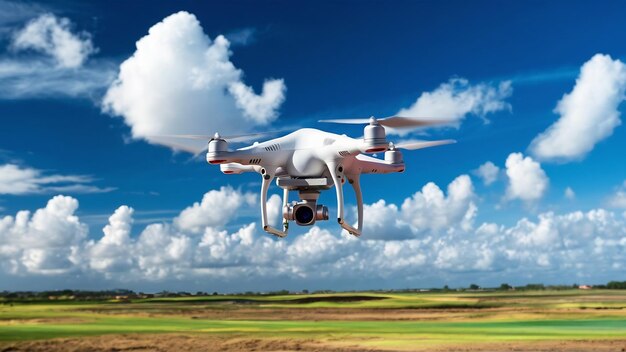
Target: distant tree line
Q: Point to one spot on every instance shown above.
(614, 285)
(66, 294)
(125, 295)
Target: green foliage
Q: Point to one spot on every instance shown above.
(616, 285)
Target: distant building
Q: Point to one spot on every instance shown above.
(585, 287)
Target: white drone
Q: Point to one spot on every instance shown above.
(310, 161)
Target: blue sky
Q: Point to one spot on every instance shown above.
(76, 123)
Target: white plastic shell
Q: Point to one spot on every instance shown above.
(375, 138)
(217, 145)
(394, 157)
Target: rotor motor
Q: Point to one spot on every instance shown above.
(217, 145)
(393, 156)
(374, 138)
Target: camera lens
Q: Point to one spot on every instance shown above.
(304, 215)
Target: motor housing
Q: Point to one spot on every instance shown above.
(217, 146)
(374, 138)
(393, 156)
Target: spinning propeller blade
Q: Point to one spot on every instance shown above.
(233, 138)
(193, 149)
(394, 121)
(423, 144)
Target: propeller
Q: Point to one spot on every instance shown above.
(189, 148)
(420, 144)
(197, 149)
(233, 138)
(393, 121)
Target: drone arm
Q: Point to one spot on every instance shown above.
(336, 172)
(267, 180)
(370, 165)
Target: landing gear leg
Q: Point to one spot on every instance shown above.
(268, 176)
(336, 172)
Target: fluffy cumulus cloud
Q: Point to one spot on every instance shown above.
(49, 58)
(567, 241)
(274, 210)
(384, 221)
(46, 242)
(181, 81)
(576, 245)
(588, 114)
(431, 211)
(216, 205)
(18, 180)
(112, 252)
(426, 212)
(526, 179)
(488, 172)
(457, 98)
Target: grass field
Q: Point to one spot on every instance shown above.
(548, 320)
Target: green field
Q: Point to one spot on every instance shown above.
(352, 320)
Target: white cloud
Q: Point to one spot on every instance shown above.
(588, 245)
(431, 210)
(48, 242)
(175, 86)
(36, 78)
(261, 108)
(588, 114)
(569, 193)
(53, 36)
(427, 212)
(16, 180)
(456, 99)
(216, 209)
(384, 221)
(50, 60)
(112, 253)
(618, 200)
(274, 210)
(527, 180)
(488, 172)
(544, 233)
(162, 251)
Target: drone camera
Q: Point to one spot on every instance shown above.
(305, 212)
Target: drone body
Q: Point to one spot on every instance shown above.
(310, 161)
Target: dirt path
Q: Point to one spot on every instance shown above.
(240, 343)
(171, 342)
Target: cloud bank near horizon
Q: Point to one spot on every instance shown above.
(53, 242)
